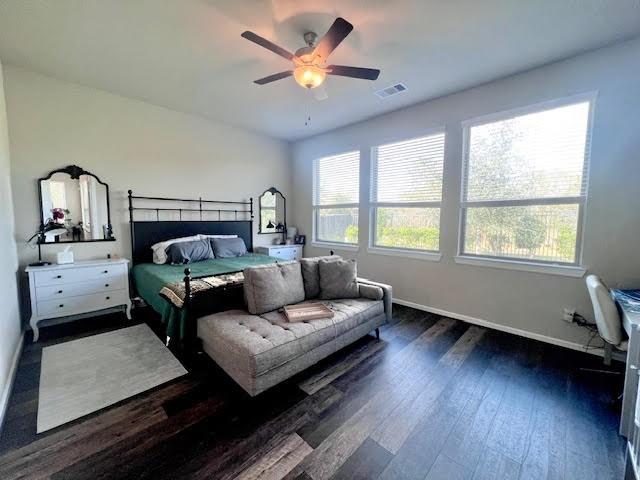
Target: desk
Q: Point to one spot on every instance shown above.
(628, 302)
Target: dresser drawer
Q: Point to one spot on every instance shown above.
(80, 274)
(108, 284)
(283, 253)
(81, 304)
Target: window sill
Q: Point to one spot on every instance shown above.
(398, 252)
(564, 270)
(336, 246)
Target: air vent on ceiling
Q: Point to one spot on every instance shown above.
(392, 90)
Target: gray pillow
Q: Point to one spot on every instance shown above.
(269, 287)
(372, 292)
(188, 252)
(310, 275)
(228, 247)
(338, 279)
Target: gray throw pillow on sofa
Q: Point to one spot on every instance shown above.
(372, 292)
(228, 247)
(269, 287)
(311, 276)
(338, 279)
(188, 252)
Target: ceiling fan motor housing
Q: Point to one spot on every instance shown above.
(310, 38)
(304, 51)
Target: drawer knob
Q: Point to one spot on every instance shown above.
(61, 305)
(106, 284)
(58, 276)
(106, 271)
(108, 298)
(59, 291)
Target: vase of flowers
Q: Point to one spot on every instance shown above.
(59, 215)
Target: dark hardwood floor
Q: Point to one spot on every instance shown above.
(434, 399)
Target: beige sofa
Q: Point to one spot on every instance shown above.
(261, 349)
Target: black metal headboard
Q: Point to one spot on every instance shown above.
(233, 218)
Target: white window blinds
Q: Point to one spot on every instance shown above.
(409, 171)
(539, 155)
(336, 191)
(337, 179)
(406, 191)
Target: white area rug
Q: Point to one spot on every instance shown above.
(85, 375)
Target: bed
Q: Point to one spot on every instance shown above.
(178, 293)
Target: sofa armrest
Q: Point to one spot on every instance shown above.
(387, 298)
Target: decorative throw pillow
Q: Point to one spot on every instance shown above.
(372, 292)
(338, 279)
(269, 287)
(310, 275)
(160, 248)
(188, 252)
(228, 247)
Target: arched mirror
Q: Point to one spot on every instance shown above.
(74, 207)
(273, 212)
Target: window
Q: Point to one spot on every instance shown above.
(336, 193)
(525, 185)
(406, 193)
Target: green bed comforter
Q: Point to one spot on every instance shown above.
(149, 278)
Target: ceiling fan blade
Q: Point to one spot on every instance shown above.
(274, 77)
(263, 42)
(354, 72)
(336, 34)
(320, 92)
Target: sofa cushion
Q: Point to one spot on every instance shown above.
(257, 344)
(269, 287)
(338, 279)
(351, 312)
(311, 276)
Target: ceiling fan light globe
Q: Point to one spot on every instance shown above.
(309, 76)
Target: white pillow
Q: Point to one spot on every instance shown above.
(160, 249)
(204, 236)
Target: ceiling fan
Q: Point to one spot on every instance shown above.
(310, 63)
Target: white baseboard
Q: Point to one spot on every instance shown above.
(6, 392)
(502, 328)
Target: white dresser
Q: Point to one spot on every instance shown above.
(77, 288)
(285, 252)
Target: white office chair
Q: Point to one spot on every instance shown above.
(607, 321)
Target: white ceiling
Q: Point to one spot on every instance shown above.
(188, 55)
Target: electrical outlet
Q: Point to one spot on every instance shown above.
(568, 314)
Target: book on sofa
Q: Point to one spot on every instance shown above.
(306, 312)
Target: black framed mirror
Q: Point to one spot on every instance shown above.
(273, 212)
(74, 207)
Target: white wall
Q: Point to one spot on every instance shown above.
(10, 332)
(532, 302)
(130, 145)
